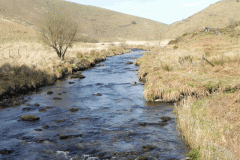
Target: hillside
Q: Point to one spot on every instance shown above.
(218, 15)
(94, 23)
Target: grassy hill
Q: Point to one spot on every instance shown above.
(93, 22)
(218, 15)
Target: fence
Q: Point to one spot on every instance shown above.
(12, 53)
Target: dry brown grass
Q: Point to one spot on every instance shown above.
(208, 114)
(211, 124)
(173, 74)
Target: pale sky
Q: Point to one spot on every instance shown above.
(165, 11)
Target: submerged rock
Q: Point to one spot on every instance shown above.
(82, 76)
(165, 118)
(147, 148)
(37, 104)
(129, 63)
(74, 109)
(57, 98)
(29, 118)
(45, 127)
(133, 83)
(38, 129)
(48, 107)
(60, 121)
(50, 92)
(6, 151)
(142, 158)
(26, 109)
(42, 110)
(64, 137)
(71, 82)
(97, 94)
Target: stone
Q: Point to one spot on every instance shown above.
(57, 98)
(64, 137)
(29, 118)
(38, 129)
(37, 104)
(133, 83)
(26, 109)
(147, 148)
(97, 94)
(48, 107)
(50, 92)
(142, 158)
(60, 121)
(45, 127)
(6, 151)
(74, 109)
(81, 77)
(42, 110)
(165, 118)
(129, 63)
(71, 82)
(143, 123)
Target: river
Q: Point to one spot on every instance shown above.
(116, 123)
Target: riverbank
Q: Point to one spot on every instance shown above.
(200, 71)
(31, 67)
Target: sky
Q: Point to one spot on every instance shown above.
(165, 11)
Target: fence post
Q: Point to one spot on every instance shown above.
(202, 60)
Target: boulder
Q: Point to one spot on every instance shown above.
(97, 94)
(57, 98)
(50, 92)
(133, 83)
(29, 118)
(74, 109)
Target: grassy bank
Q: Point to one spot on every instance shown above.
(28, 66)
(200, 71)
(211, 125)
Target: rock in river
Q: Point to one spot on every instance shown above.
(6, 151)
(45, 127)
(97, 94)
(57, 98)
(129, 63)
(50, 92)
(147, 148)
(133, 83)
(165, 118)
(73, 109)
(29, 118)
(64, 137)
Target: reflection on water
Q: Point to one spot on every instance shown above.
(116, 125)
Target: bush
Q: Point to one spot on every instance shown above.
(175, 47)
(167, 67)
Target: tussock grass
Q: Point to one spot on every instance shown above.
(31, 65)
(173, 74)
(208, 110)
(211, 124)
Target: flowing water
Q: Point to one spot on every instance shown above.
(116, 123)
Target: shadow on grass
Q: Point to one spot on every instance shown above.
(17, 80)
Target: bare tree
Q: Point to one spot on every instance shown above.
(58, 30)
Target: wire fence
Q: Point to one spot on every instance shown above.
(12, 53)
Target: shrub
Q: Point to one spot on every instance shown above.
(167, 67)
(175, 47)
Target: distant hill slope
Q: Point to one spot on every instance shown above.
(218, 15)
(93, 22)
